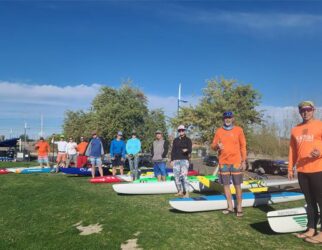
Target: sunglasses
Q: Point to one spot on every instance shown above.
(181, 130)
(306, 110)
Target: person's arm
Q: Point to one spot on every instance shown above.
(48, 148)
(88, 148)
(102, 148)
(152, 150)
(139, 146)
(189, 146)
(173, 150)
(165, 149)
(242, 143)
(214, 144)
(123, 150)
(292, 157)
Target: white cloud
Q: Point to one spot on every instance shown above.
(262, 22)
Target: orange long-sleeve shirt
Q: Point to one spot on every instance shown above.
(81, 147)
(43, 148)
(234, 142)
(306, 137)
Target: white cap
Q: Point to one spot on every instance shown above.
(182, 127)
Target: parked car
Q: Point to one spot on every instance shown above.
(210, 160)
(270, 167)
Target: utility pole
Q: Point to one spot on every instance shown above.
(179, 100)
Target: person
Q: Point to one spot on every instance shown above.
(71, 151)
(180, 155)
(95, 152)
(81, 149)
(230, 142)
(117, 153)
(43, 149)
(61, 155)
(305, 153)
(159, 153)
(133, 148)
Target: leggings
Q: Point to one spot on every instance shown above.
(180, 172)
(311, 186)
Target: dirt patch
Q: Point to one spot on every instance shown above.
(90, 229)
(131, 244)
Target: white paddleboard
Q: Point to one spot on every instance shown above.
(219, 202)
(288, 220)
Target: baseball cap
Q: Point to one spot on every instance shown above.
(228, 114)
(158, 132)
(181, 127)
(305, 104)
(62, 136)
(119, 133)
(41, 138)
(94, 132)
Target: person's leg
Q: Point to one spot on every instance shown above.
(68, 160)
(75, 160)
(311, 205)
(237, 178)
(64, 160)
(156, 171)
(230, 207)
(58, 160)
(113, 170)
(162, 167)
(93, 163)
(136, 166)
(184, 176)
(131, 165)
(121, 169)
(40, 161)
(176, 174)
(100, 168)
(316, 188)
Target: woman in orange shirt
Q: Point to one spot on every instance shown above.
(305, 153)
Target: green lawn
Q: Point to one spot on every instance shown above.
(38, 212)
(8, 164)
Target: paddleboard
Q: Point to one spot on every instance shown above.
(111, 179)
(219, 202)
(83, 171)
(4, 171)
(34, 170)
(166, 187)
(288, 220)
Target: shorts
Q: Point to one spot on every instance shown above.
(117, 161)
(43, 159)
(81, 161)
(95, 161)
(230, 173)
(61, 157)
(159, 168)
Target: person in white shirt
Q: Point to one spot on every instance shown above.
(71, 150)
(61, 156)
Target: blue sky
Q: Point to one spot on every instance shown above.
(56, 54)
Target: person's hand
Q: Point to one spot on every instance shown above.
(315, 153)
(290, 175)
(112, 158)
(122, 159)
(220, 146)
(185, 150)
(243, 166)
(171, 164)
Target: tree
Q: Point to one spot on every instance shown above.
(112, 110)
(221, 95)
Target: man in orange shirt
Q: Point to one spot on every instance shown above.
(81, 148)
(230, 142)
(305, 153)
(43, 150)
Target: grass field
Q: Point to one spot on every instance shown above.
(39, 211)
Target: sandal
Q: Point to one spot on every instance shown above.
(239, 214)
(313, 241)
(303, 235)
(227, 211)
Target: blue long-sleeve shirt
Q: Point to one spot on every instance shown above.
(133, 146)
(117, 147)
(95, 148)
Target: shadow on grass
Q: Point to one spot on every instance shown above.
(263, 228)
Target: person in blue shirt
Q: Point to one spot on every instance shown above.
(117, 153)
(95, 152)
(133, 148)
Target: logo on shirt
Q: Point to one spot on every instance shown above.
(304, 138)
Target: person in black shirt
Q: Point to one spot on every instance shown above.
(180, 154)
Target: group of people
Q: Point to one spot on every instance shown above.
(229, 141)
